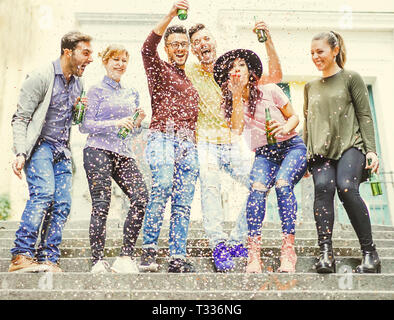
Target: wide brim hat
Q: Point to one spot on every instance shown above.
(222, 65)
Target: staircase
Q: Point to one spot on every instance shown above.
(77, 283)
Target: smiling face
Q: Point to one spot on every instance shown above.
(240, 69)
(79, 58)
(116, 65)
(323, 56)
(204, 46)
(177, 49)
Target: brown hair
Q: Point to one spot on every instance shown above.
(71, 39)
(194, 29)
(174, 29)
(111, 51)
(334, 39)
(254, 95)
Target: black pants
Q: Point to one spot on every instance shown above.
(345, 176)
(101, 166)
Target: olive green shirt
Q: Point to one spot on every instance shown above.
(337, 116)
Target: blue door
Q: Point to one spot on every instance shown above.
(378, 205)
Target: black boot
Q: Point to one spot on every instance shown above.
(326, 263)
(370, 262)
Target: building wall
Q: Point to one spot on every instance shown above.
(32, 37)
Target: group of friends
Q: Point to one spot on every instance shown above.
(200, 112)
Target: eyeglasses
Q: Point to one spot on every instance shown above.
(175, 45)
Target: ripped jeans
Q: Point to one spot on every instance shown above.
(282, 164)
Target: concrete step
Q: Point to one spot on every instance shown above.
(205, 264)
(192, 295)
(198, 282)
(197, 224)
(262, 295)
(270, 251)
(203, 243)
(200, 233)
(46, 295)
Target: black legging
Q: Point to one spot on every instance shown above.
(100, 166)
(345, 175)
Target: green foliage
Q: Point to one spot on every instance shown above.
(5, 207)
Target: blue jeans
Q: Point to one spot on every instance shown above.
(283, 165)
(213, 159)
(49, 177)
(174, 168)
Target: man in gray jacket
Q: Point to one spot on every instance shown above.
(41, 135)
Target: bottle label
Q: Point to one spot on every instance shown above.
(79, 111)
(261, 36)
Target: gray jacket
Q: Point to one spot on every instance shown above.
(33, 103)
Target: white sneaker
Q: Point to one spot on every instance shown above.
(124, 265)
(100, 267)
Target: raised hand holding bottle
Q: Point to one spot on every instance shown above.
(261, 35)
(183, 6)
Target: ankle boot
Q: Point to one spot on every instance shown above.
(370, 262)
(326, 263)
(254, 260)
(288, 256)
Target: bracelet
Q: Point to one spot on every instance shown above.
(21, 154)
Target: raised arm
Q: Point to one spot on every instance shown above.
(274, 68)
(163, 24)
(237, 121)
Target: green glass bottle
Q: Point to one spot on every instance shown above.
(270, 138)
(261, 36)
(376, 187)
(182, 14)
(123, 132)
(79, 110)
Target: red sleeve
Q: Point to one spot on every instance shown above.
(152, 62)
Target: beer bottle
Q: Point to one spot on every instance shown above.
(123, 132)
(373, 178)
(261, 36)
(270, 138)
(182, 14)
(79, 110)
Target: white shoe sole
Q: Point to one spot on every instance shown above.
(99, 272)
(33, 269)
(114, 270)
(153, 267)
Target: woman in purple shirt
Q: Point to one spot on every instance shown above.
(107, 155)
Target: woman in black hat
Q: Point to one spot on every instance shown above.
(280, 158)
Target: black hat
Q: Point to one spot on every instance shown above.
(222, 64)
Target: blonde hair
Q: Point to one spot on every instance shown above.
(111, 51)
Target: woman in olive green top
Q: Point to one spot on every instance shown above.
(339, 134)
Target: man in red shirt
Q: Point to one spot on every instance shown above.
(171, 149)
